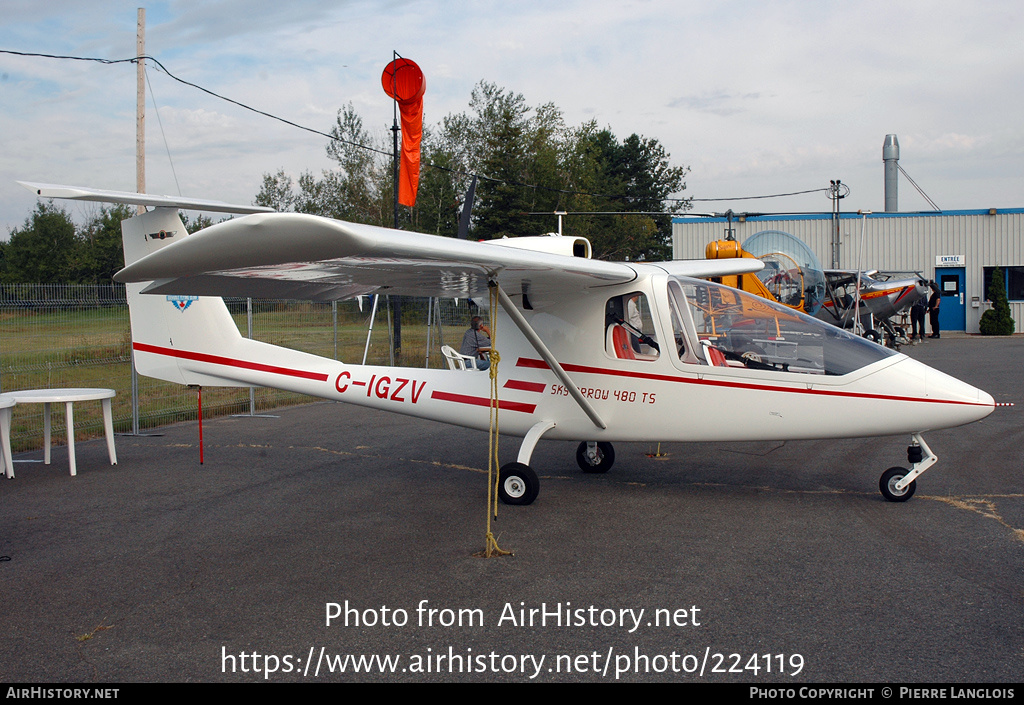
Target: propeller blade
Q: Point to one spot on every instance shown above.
(467, 208)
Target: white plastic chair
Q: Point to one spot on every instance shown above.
(456, 360)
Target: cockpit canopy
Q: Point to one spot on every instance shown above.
(734, 328)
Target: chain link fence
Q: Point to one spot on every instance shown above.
(69, 335)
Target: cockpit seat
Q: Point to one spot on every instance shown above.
(713, 355)
(618, 340)
(620, 343)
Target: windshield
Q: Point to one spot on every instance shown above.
(737, 329)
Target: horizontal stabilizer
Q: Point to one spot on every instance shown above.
(79, 193)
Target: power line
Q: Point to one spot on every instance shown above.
(751, 198)
(335, 138)
(163, 134)
(164, 69)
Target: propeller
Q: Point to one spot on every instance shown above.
(467, 208)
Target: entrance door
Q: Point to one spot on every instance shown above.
(952, 311)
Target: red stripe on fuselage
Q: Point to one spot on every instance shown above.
(483, 401)
(541, 365)
(526, 386)
(229, 362)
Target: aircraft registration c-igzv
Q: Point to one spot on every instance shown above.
(591, 351)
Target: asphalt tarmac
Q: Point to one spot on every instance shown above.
(773, 563)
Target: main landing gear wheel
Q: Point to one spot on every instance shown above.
(888, 485)
(604, 461)
(518, 484)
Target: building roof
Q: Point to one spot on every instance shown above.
(843, 215)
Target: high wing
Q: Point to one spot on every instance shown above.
(293, 255)
(839, 277)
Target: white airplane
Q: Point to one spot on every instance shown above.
(590, 351)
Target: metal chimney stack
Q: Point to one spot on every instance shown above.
(890, 156)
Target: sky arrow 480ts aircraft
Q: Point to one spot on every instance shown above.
(591, 351)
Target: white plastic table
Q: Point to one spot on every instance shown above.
(5, 434)
(67, 397)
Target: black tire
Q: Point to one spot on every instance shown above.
(518, 484)
(873, 335)
(605, 454)
(887, 485)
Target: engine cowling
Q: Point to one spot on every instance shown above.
(551, 243)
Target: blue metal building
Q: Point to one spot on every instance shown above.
(957, 249)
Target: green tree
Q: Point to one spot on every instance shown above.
(501, 143)
(103, 254)
(45, 250)
(997, 320)
(276, 192)
(443, 186)
(199, 222)
(441, 191)
(360, 184)
(358, 190)
(634, 175)
(528, 161)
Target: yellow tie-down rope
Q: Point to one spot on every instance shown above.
(491, 549)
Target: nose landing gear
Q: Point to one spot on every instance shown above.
(890, 479)
(898, 484)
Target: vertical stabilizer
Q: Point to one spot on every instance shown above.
(164, 327)
(191, 339)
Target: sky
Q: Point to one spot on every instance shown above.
(755, 97)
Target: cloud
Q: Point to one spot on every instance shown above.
(720, 103)
(756, 97)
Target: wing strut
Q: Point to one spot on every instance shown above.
(542, 350)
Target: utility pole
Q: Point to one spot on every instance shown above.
(140, 107)
(837, 190)
(140, 168)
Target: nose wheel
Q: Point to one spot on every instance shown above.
(898, 484)
(890, 480)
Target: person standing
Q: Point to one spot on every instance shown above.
(917, 319)
(933, 310)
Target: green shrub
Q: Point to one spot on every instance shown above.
(997, 320)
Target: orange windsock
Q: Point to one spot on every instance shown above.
(403, 81)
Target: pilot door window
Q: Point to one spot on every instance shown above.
(629, 328)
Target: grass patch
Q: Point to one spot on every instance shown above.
(65, 346)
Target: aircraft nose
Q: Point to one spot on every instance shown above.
(950, 401)
(946, 386)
